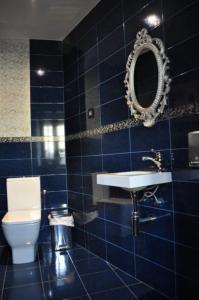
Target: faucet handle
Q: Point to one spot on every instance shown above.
(154, 151)
(158, 155)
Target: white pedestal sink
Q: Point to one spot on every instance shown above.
(134, 180)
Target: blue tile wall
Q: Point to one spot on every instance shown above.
(165, 254)
(39, 47)
(48, 159)
(15, 160)
(44, 159)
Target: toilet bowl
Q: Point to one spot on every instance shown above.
(21, 223)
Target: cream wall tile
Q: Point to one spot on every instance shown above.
(14, 88)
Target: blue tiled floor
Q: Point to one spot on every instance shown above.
(74, 274)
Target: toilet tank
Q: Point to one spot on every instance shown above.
(23, 193)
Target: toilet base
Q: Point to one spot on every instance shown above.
(22, 255)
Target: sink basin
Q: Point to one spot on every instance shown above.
(134, 180)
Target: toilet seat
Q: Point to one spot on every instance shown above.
(22, 217)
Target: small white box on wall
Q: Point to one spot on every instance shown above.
(193, 143)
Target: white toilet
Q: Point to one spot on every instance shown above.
(21, 223)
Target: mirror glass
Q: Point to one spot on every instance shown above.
(146, 78)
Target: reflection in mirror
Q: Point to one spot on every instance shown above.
(146, 78)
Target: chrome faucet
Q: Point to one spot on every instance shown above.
(157, 160)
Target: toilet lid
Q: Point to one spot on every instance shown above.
(22, 216)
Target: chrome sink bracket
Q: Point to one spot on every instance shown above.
(135, 218)
(135, 215)
(153, 218)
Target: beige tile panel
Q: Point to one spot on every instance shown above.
(14, 88)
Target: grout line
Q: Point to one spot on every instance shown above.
(185, 214)
(129, 252)
(160, 209)
(40, 54)
(181, 42)
(96, 272)
(98, 22)
(186, 246)
(82, 195)
(101, 140)
(31, 157)
(47, 71)
(152, 289)
(83, 259)
(102, 82)
(47, 103)
(158, 237)
(45, 86)
(100, 41)
(179, 11)
(113, 270)
(186, 72)
(74, 298)
(112, 289)
(22, 285)
(95, 86)
(97, 256)
(79, 277)
(119, 153)
(103, 61)
(178, 112)
(18, 159)
(174, 239)
(48, 119)
(4, 278)
(186, 181)
(129, 228)
(124, 22)
(42, 175)
(126, 285)
(140, 281)
(48, 86)
(23, 269)
(58, 191)
(155, 263)
(187, 278)
(64, 277)
(42, 282)
(96, 25)
(108, 290)
(98, 106)
(116, 268)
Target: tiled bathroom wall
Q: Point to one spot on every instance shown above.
(165, 255)
(36, 156)
(47, 111)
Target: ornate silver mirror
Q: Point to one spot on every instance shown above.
(147, 80)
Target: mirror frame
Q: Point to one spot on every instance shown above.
(147, 115)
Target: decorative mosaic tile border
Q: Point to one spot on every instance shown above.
(181, 111)
(32, 139)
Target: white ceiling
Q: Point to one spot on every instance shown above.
(41, 19)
